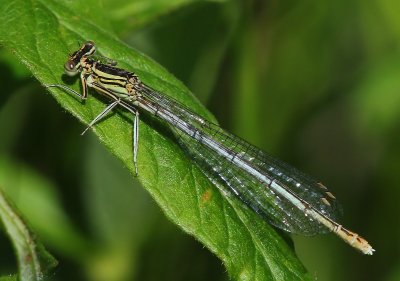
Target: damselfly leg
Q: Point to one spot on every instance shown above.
(109, 108)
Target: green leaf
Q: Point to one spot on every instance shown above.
(43, 33)
(33, 260)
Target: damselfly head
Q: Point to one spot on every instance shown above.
(72, 66)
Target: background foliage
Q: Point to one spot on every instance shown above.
(315, 84)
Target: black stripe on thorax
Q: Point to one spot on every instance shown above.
(124, 74)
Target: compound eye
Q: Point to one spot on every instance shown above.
(69, 65)
(70, 68)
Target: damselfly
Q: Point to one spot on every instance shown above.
(279, 193)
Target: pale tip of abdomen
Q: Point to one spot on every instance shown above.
(366, 248)
(354, 240)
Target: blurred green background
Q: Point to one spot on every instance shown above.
(316, 84)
